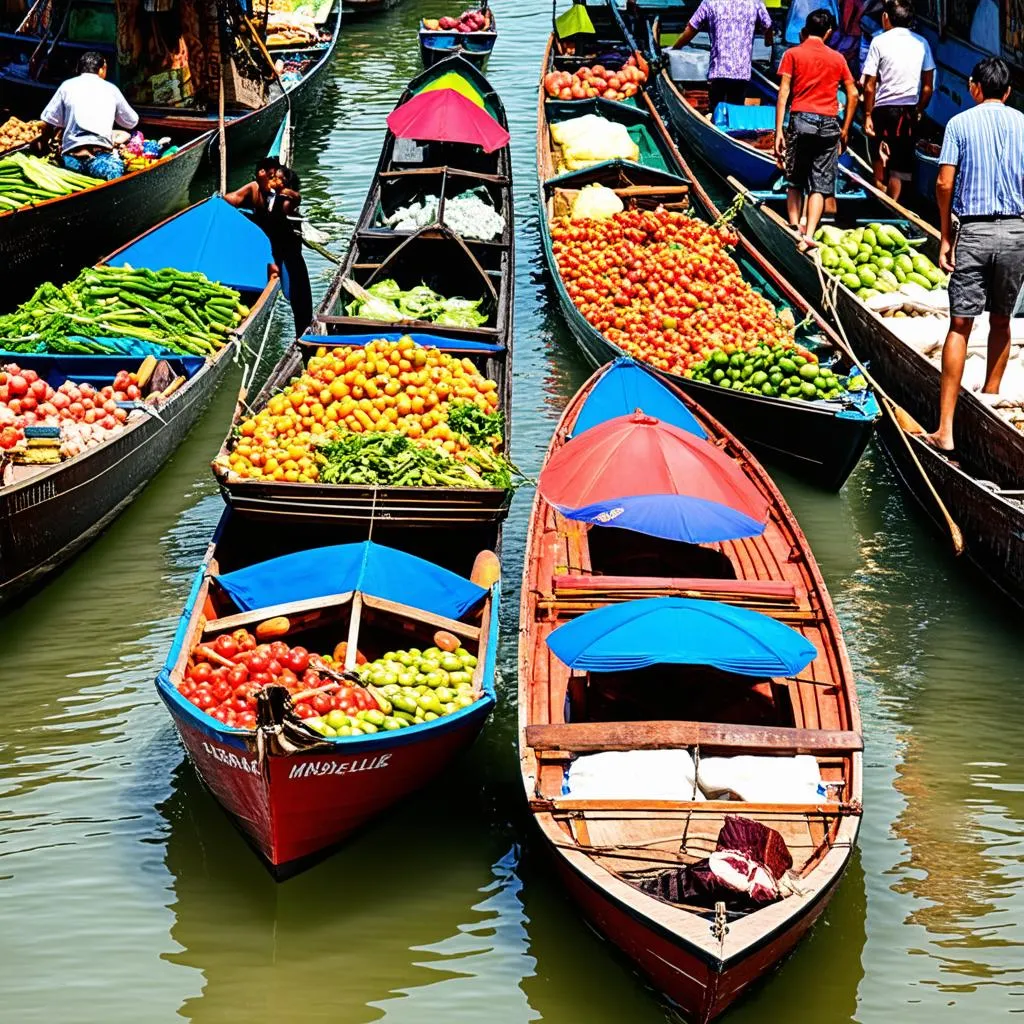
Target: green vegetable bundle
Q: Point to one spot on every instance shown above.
(389, 304)
(27, 179)
(875, 260)
(776, 371)
(393, 460)
(182, 312)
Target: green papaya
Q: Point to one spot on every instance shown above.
(786, 365)
(921, 263)
(904, 262)
(867, 293)
(897, 236)
(846, 265)
(809, 371)
(850, 247)
(885, 262)
(916, 278)
(829, 257)
(861, 258)
(867, 276)
(870, 238)
(888, 277)
(936, 276)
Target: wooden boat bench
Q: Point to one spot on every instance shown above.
(575, 586)
(591, 737)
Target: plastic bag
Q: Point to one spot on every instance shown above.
(595, 202)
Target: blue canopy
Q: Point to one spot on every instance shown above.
(211, 237)
(681, 631)
(627, 386)
(367, 567)
(670, 516)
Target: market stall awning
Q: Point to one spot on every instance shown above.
(367, 567)
(444, 115)
(638, 473)
(681, 631)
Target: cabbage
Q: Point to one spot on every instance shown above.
(386, 289)
(375, 309)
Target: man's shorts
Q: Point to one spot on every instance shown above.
(897, 128)
(812, 152)
(989, 270)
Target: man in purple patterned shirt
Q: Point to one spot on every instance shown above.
(731, 25)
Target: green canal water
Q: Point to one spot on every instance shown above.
(126, 897)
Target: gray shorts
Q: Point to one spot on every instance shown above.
(989, 267)
(812, 152)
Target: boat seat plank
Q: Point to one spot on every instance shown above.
(780, 591)
(567, 804)
(584, 737)
(240, 620)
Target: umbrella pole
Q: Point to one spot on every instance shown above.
(222, 143)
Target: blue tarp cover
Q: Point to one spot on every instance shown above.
(626, 387)
(736, 117)
(426, 340)
(681, 631)
(211, 237)
(670, 516)
(368, 567)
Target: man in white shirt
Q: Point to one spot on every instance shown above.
(899, 76)
(87, 108)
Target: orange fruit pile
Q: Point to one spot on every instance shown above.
(381, 386)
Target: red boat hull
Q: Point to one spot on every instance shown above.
(703, 988)
(299, 807)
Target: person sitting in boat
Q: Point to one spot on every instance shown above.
(809, 147)
(732, 25)
(981, 185)
(899, 76)
(274, 197)
(87, 108)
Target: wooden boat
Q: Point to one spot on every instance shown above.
(703, 958)
(406, 154)
(819, 440)
(248, 130)
(48, 513)
(475, 47)
(290, 791)
(399, 180)
(34, 239)
(434, 256)
(982, 495)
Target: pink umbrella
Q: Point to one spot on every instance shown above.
(444, 115)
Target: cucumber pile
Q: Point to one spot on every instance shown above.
(776, 371)
(875, 260)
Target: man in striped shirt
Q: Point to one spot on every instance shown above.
(981, 184)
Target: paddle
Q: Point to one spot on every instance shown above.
(904, 422)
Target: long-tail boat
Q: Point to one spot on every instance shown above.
(49, 512)
(629, 736)
(822, 440)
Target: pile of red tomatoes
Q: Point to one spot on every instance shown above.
(662, 287)
(225, 675)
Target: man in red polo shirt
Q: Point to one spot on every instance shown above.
(808, 149)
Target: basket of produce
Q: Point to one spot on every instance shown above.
(410, 431)
(598, 81)
(15, 133)
(469, 21)
(117, 310)
(401, 689)
(875, 260)
(26, 180)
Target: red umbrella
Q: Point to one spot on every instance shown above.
(444, 115)
(639, 473)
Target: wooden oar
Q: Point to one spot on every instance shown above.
(904, 422)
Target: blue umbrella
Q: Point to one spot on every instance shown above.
(624, 386)
(670, 516)
(681, 631)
